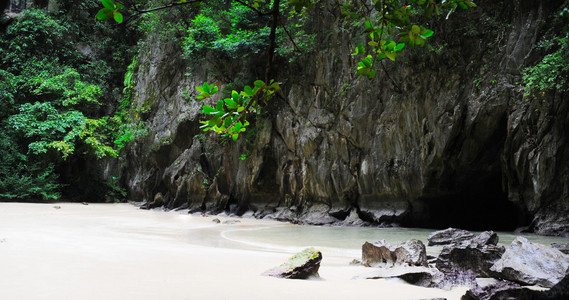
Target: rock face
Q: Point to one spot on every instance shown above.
(460, 146)
(532, 264)
(510, 290)
(409, 253)
(477, 254)
(449, 236)
(301, 266)
(495, 291)
(561, 247)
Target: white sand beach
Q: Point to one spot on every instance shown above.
(116, 251)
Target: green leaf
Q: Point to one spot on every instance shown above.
(235, 96)
(215, 121)
(203, 95)
(108, 4)
(427, 34)
(118, 17)
(214, 90)
(391, 55)
(104, 14)
(235, 136)
(209, 110)
(470, 3)
(399, 47)
(360, 49)
(238, 126)
(248, 91)
(259, 83)
(206, 87)
(219, 105)
(369, 26)
(415, 29)
(367, 61)
(231, 104)
(373, 44)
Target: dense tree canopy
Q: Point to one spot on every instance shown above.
(52, 95)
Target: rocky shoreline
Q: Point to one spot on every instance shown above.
(465, 258)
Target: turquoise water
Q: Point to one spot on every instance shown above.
(348, 238)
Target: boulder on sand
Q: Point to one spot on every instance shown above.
(300, 266)
(532, 264)
(449, 236)
(477, 254)
(381, 253)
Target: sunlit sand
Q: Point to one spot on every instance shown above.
(116, 251)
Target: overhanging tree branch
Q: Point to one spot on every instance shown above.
(166, 6)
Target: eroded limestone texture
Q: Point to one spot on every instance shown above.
(460, 146)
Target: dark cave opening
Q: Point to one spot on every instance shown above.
(468, 191)
(480, 205)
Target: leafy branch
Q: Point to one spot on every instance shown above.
(228, 117)
(395, 21)
(111, 9)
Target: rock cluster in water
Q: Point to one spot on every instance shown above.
(465, 257)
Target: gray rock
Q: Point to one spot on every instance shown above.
(449, 236)
(302, 265)
(491, 291)
(318, 215)
(421, 276)
(458, 278)
(532, 264)
(477, 254)
(411, 253)
(561, 247)
(486, 238)
(229, 222)
(509, 290)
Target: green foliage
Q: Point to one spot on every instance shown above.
(110, 10)
(47, 129)
(115, 192)
(230, 30)
(228, 117)
(65, 88)
(21, 179)
(551, 73)
(127, 121)
(392, 25)
(50, 114)
(34, 39)
(230, 34)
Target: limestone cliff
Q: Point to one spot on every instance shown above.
(459, 146)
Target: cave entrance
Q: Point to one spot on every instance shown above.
(481, 205)
(469, 193)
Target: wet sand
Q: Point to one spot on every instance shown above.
(116, 251)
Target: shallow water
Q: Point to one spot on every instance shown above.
(116, 251)
(348, 240)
